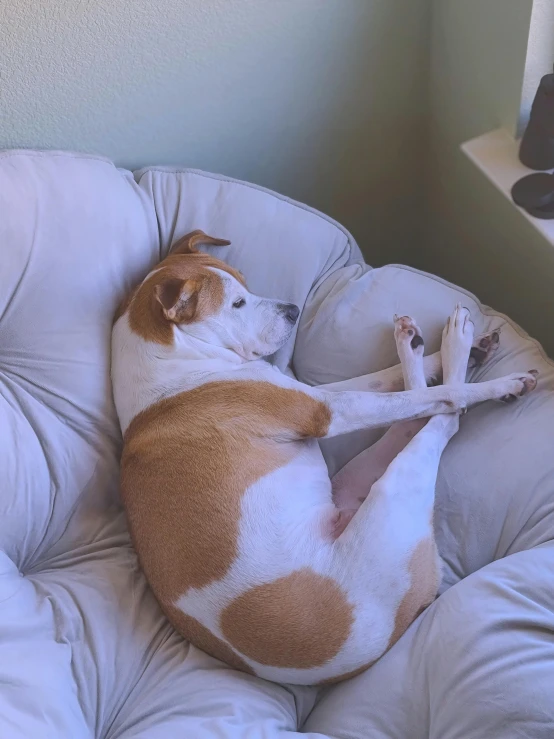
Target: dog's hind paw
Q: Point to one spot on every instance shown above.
(483, 348)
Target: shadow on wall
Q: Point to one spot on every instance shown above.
(484, 244)
(323, 101)
(476, 237)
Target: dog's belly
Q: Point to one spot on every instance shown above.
(286, 607)
(279, 531)
(289, 607)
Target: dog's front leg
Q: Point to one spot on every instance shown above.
(392, 379)
(351, 411)
(388, 380)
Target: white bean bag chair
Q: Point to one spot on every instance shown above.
(84, 649)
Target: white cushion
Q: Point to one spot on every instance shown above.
(84, 648)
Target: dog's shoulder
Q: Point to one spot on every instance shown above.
(256, 401)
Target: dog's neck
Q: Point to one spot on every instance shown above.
(190, 350)
(145, 372)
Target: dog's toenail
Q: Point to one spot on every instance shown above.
(410, 332)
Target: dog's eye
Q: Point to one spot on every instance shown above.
(239, 303)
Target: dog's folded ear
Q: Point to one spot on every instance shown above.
(179, 298)
(188, 244)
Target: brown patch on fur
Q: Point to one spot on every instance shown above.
(180, 298)
(421, 593)
(188, 244)
(298, 621)
(199, 260)
(123, 307)
(184, 289)
(186, 464)
(423, 587)
(198, 290)
(203, 638)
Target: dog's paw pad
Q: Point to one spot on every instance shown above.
(483, 349)
(406, 331)
(526, 383)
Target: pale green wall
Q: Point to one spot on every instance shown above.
(476, 237)
(329, 101)
(320, 99)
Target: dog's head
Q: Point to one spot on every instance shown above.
(192, 294)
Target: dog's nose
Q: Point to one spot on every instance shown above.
(291, 312)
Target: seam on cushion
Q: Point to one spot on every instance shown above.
(11, 595)
(15, 573)
(18, 407)
(484, 570)
(164, 634)
(40, 153)
(138, 174)
(11, 298)
(485, 309)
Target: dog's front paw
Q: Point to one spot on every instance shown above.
(521, 384)
(457, 339)
(407, 335)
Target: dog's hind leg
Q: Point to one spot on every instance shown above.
(352, 484)
(393, 533)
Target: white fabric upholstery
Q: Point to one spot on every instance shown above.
(84, 649)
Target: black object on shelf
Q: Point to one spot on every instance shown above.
(537, 146)
(534, 190)
(535, 194)
(545, 214)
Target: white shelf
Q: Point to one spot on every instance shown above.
(496, 155)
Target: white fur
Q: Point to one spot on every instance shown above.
(285, 516)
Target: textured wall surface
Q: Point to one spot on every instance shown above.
(323, 100)
(476, 237)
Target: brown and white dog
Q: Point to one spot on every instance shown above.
(252, 554)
